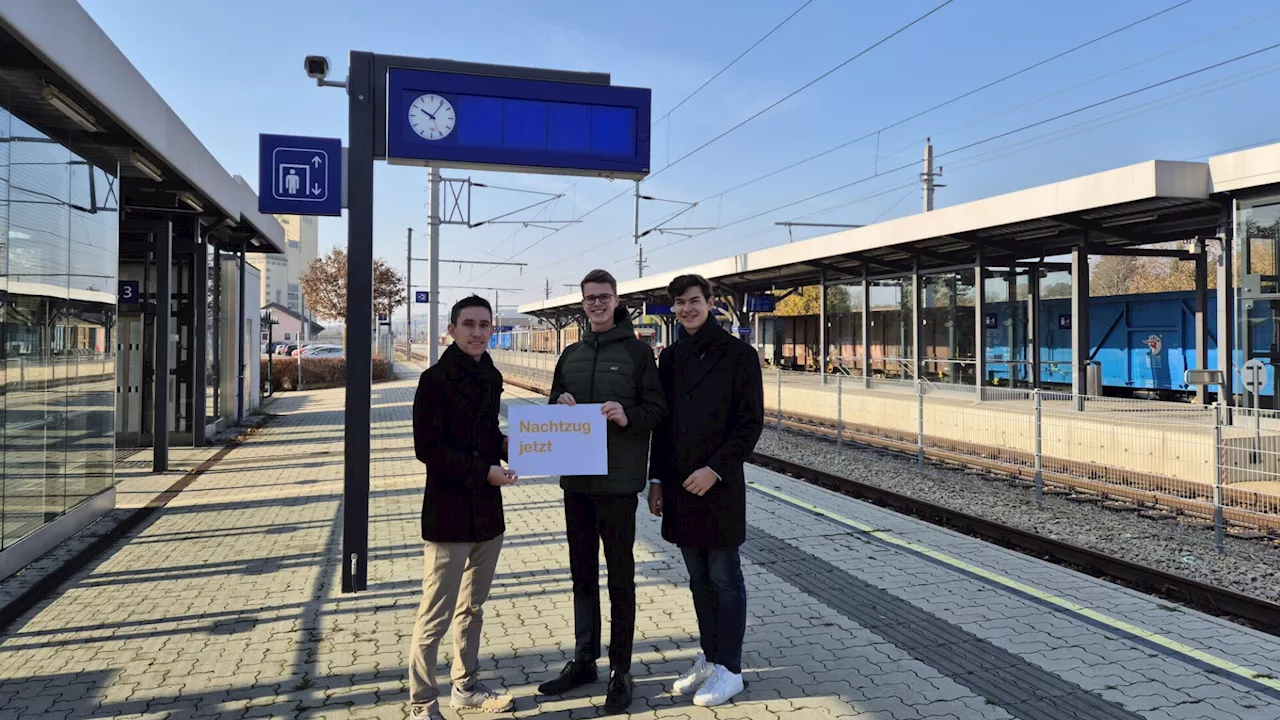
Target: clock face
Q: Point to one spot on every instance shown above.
(432, 117)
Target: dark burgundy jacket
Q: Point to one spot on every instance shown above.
(455, 433)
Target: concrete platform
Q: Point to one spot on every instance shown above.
(227, 606)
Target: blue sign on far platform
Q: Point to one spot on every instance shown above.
(129, 292)
(299, 175)
(422, 296)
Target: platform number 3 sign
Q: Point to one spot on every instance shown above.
(129, 292)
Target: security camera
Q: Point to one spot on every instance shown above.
(317, 67)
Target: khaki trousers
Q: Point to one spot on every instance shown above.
(455, 583)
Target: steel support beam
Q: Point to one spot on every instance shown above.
(240, 347)
(359, 353)
(1141, 252)
(1034, 329)
(1202, 316)
(866, 327)
(1226, 309)
(200, 331)
(917, 352)
(1080, 339)
(822, 328)
(160, 349)
(829, 269)
(979, 322)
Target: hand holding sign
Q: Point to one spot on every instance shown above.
(557, 440)
(499, 476)
(613, 412)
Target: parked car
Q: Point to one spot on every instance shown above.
(310, 348)
(326, 351)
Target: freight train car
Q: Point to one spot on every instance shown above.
(1143, 343)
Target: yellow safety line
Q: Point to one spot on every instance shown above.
(1121, 625)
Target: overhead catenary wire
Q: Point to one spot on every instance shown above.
(1062, 133)
(758, 114)
(938, 106)
(808, 85)
(733, 62)
(995, 137)
(1016, 130)
(957, 98)
(1112, 73)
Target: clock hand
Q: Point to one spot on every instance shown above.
(424, 112)
(433, 117)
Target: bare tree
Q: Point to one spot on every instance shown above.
(324, 283)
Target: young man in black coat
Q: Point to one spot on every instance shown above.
(715, 393)
(456, 434)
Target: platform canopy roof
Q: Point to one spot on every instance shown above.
(1150, 202)
(56, 44)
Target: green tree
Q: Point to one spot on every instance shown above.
(807, 301)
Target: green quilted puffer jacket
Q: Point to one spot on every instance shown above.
(614, 366)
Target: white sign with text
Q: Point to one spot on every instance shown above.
(547, 440)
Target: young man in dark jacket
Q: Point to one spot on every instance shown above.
(610, 366)
(713, 385)
(456, 434)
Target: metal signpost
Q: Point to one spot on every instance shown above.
(1253, 375)
(438, 113)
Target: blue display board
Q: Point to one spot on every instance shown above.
(421, 296)
(515, 124)
(299, 175)
(761, 303)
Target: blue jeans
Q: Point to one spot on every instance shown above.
(720, 600)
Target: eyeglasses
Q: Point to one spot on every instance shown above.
(594, 299)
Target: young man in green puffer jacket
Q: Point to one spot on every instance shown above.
(609, 366)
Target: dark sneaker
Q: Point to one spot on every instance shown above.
(618, 699)
(575, 674)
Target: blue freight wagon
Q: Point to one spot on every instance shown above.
(1143, 343)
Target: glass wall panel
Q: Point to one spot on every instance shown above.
(1008, 360)
(58, 258)
(844, 329)
(892, 354)
(1258, 310)
(947, 326)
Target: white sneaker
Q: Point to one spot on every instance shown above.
(695, 676)
(722, 686)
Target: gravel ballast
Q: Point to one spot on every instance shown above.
(1247, 566)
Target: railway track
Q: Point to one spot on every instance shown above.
(1239, 607)
(1257, 612)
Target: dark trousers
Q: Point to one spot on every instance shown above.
(720, 600)
(590, 519)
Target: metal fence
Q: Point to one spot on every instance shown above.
(1210, 462)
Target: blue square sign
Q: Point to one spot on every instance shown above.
(422, 296)
(299, 175)
(129, 292)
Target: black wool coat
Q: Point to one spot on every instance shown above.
(715, 395)
(456, 434)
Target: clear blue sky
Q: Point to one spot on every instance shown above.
(233, 68)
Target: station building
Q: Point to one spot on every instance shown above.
(997, 291)
(123, 321)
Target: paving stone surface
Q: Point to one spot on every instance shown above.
(227, 605)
